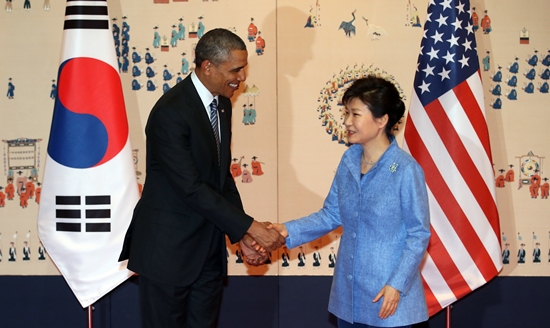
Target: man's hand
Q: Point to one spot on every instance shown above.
(269, 239)
(254, 253)
(251, 244)
(391, 300)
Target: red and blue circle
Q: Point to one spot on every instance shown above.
(89, 125)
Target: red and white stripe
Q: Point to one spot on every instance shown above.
(450, 140)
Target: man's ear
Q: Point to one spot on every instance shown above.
(206, 65)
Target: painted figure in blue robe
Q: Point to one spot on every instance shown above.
(536, 253)
(174, 37)
(166, 75)
(151, 86)
(310, 20)
(125, 63)
(53, 91)
(115, 27)
(179, 78)
(156, 38)
(148, 57)
(497, 77)
(531, 74)
(486, 62)
(497, 104)
(301, 258)
(497, 90)
(544, 88)
(529, 88)
(200, 28)
(12, 252)
(506, 255)
(514, 68)
(316, 257)
(246, 115)
(512, 95)
(285, 258)
(136, 85)
(125, 34)
(184, 65)
(521, 254)
(41, 252)
(252, 119)
(545, 75)
(26, 251)
(149, 72)
(136, 71)
(165, 87)
(546, 60)
(11, 89)
(117, 45)
(331, 260)
(125, 49)
(116, 36)
(513, 81)
(136, 58)
(181, 30)
(125, 29)
(533, 60)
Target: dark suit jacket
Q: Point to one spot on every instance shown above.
(188, 203)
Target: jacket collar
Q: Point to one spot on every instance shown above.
(352, 159)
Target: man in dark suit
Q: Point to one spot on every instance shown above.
(176, 240)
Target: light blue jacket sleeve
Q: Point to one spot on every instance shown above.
(414, 206)
(315, 225)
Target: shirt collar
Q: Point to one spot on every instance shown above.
(205, 95)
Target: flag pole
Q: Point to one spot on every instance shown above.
(448, 323)
(90, 309)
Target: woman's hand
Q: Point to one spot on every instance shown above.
(389, 304)
(279, 227)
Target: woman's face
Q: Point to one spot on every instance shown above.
(361, 126)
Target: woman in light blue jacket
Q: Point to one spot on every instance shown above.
(379, 198)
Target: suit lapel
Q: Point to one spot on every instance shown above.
(204, 123)
(201, 116)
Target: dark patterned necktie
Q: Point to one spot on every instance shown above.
(214, 123)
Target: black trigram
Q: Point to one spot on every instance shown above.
(90, 210)
(86, 17)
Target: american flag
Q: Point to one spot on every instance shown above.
(446, 132)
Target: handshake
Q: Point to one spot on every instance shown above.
(261, 239)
